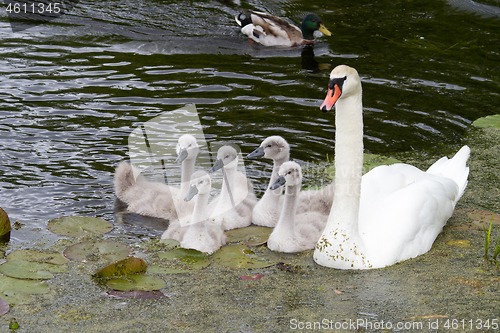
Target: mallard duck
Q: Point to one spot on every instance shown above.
(270, 30)
(392, 213)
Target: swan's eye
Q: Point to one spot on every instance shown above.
(269, 145)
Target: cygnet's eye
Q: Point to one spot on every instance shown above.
(269, 145)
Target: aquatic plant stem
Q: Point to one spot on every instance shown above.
(487, 235)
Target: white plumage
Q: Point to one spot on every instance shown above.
(294, 231)
(393, 212)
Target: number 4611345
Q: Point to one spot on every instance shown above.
(34, 8)
(479, 324)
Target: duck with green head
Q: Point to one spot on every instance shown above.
(270, 30)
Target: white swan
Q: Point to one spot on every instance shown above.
(393, 212)
(237, 198)
(267, 211)
(156, 199)
(202, 234)
(294, 231)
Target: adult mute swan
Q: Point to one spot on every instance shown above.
(393, 212)
(237, 198)
(267, 210)
(294, 232)
(156, 199)
(202, 234)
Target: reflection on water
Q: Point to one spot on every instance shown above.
(74, 89)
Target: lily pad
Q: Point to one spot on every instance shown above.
(170, 268)
(483, 217)
(370, 161)
(32, 287)
(4, 226)
(16, 297)
(36, 256)
(180, 261)
(251, 236)
(31, 270)
(186, 255)
(488, 121)
(170, 243)
(122, 267)
(96, 250)
(459, 242)
(74, 226)
(4, 307)
(136, 282)
(239, 256)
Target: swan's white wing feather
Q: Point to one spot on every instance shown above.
(402, 210)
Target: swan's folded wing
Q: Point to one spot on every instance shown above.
(402, 223)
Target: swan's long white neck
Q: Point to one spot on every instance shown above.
(286, 222)
(348, 163)
(340, 245)
(187, 169)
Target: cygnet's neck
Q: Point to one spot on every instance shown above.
(228, 188)
(187, 169)
(286, 222)
(276, 168)
(200, 208)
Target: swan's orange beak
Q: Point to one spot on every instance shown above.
(331, 98)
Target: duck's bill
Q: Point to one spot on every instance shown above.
(331, 98)
(324, 30)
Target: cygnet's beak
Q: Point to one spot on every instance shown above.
(259, 152)
(182, 155)
(278, 183)
(193, 190)
(217, 165)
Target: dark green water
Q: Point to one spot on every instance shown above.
(72, 90)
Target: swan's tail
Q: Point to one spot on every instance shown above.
(125, 176)
(455, 168)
